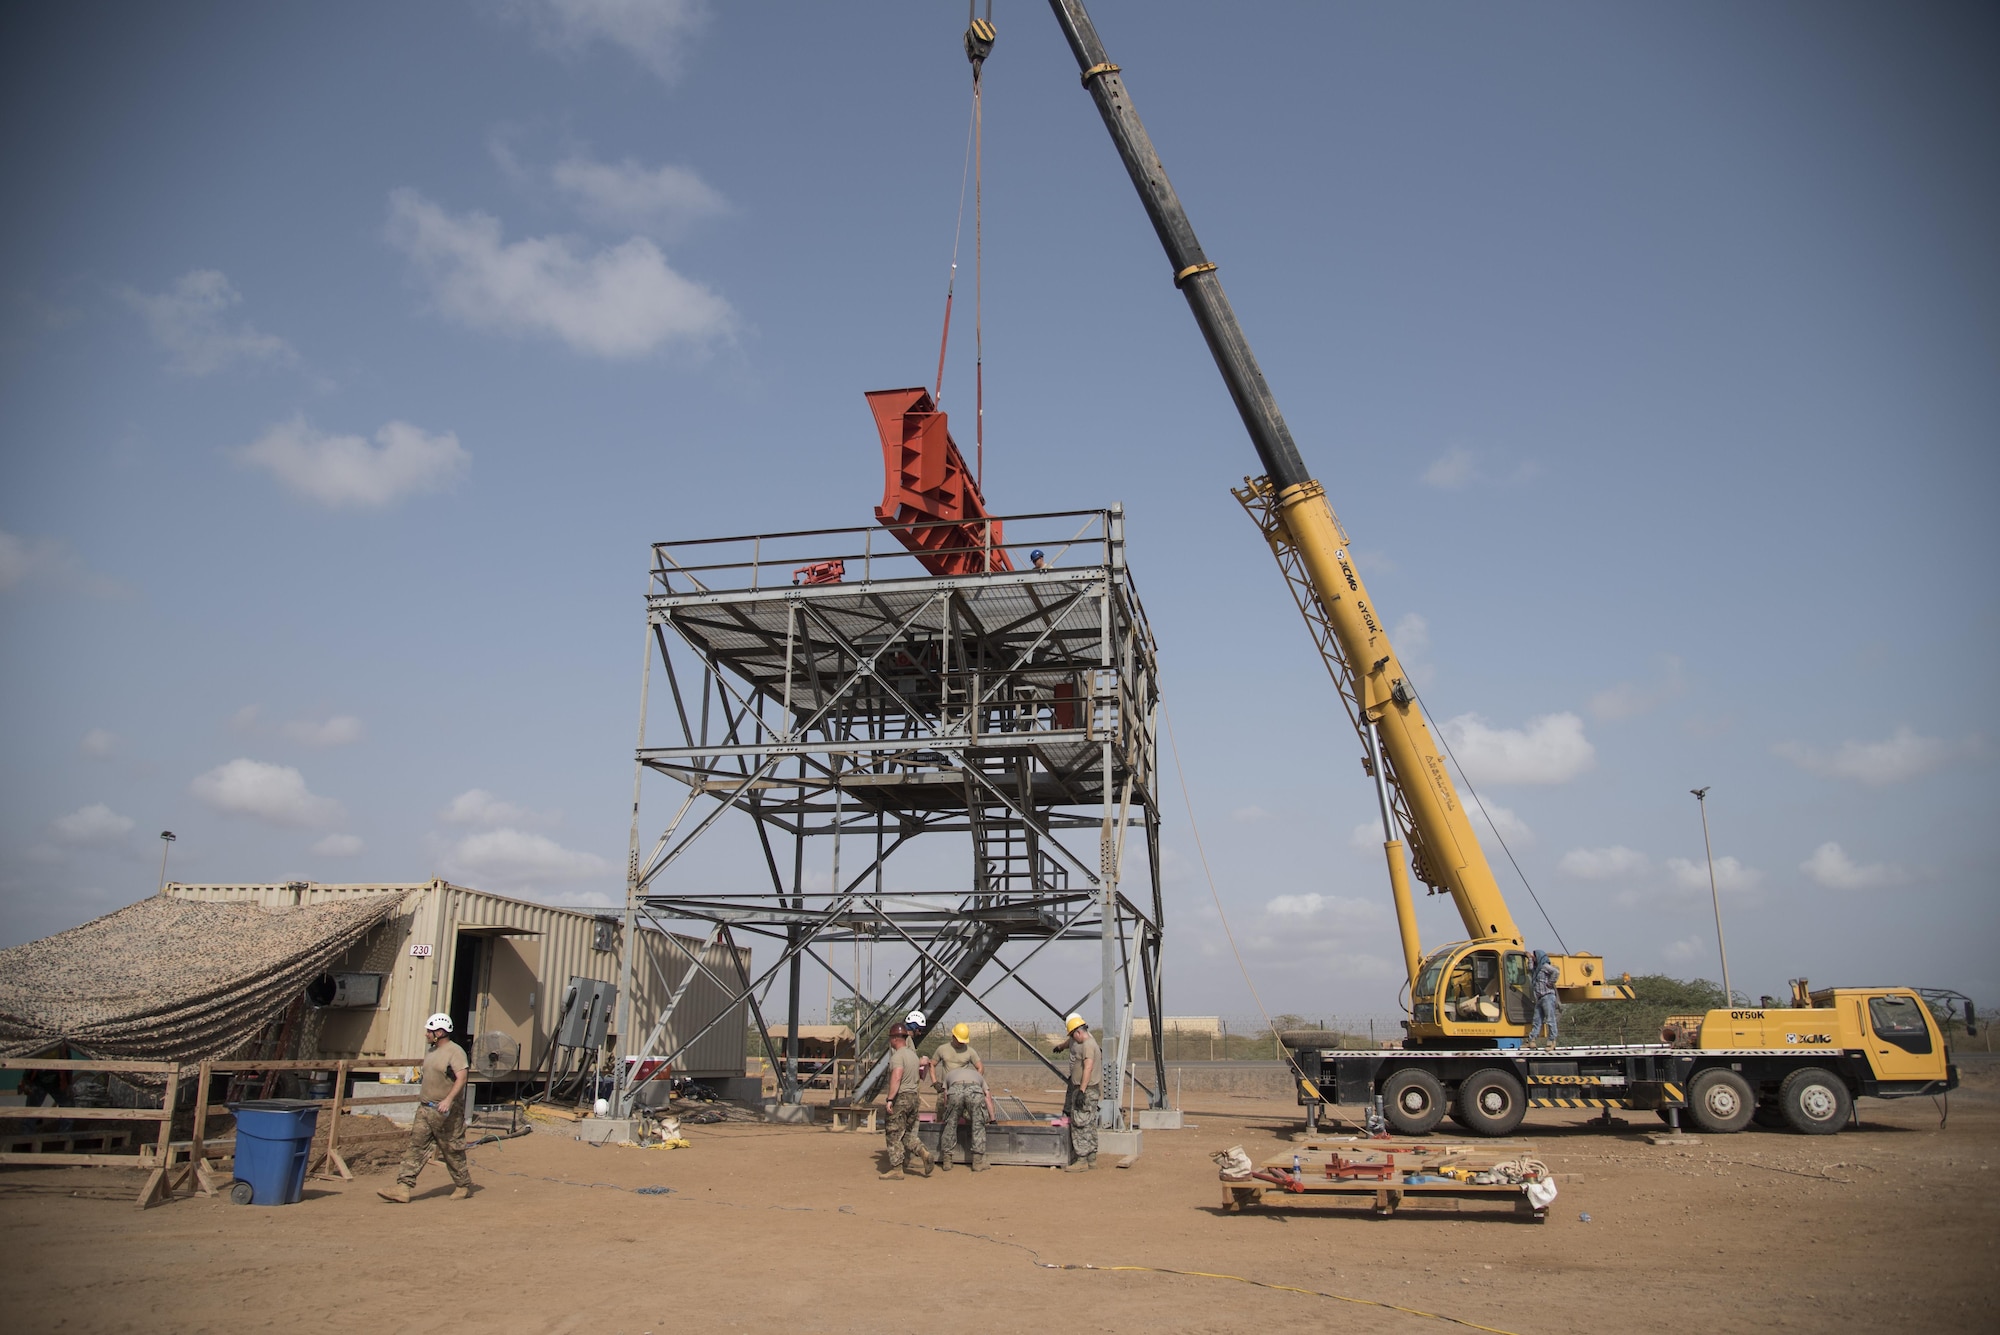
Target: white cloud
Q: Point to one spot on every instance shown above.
(1499, 819)
(1729, 874)
(1831, 867)
(1904, 754)
(1550, 749)
(476, 806)
(1366, 837)
(339, 846)
(273, 793)
(653, 32)
(1604, 864)
(245, 719)
(1454, 470)
(1686, 950)
(510, 856)
(1250, 815)
(50, 563)
(621, 301)
(1338, 910)
(339, 730)
(1295, 906)
(187, 320)
(1629, 699)
(661, 201)
(99, 743)
(93, 826)
(341, 471)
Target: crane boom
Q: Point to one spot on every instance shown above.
(1301, 526)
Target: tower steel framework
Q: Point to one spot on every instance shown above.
(827, 689)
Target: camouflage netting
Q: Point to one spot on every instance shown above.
(172, 979)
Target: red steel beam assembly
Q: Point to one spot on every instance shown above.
(925, 481)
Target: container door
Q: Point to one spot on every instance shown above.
(512, 995)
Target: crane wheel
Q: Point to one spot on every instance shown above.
(1816, 1102)
(1412, 1101)
(1720, 1101)
(1491, 1102)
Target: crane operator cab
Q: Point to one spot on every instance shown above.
(1473, 996)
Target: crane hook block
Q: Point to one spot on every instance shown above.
(930, 499)
(979, 41)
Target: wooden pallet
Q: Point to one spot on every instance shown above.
(1335, 1169)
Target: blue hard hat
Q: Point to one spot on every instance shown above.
(1035, 555)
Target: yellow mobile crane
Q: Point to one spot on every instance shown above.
(1469, 1001)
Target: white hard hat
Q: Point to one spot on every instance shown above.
(915, 1018)
(602, 1107)
(438, 1022)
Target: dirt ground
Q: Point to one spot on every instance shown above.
(1895, 1226)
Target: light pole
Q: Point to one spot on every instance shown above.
(166, 842)
(1701, 800)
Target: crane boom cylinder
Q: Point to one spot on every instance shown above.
(1193, 274)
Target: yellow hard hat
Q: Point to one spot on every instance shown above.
(961, 1031)
(1073, 1023)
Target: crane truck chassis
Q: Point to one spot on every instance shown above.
(1800, 1066)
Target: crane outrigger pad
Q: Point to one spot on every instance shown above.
(924, 480)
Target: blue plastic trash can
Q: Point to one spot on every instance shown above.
(273, 1143)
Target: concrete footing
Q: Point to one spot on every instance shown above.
(607, 1130)
(1159, 1119)
(797, 1114)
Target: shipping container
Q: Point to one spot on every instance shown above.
(500, 968)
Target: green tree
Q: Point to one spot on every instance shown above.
(1655, 997)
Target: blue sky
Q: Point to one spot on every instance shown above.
(350, 357)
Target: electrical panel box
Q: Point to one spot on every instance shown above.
(345, 991)
(586, 1013)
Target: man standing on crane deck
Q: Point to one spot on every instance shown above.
(1086, 1066)
(1548, 1006)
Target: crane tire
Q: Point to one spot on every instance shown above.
(1413, 1101)
(1720, 1101)
(1491, 1102)
(1816, 1101)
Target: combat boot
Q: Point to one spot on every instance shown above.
(978, 1163)
(926, 1162)
(396, 1192)
(1077, 1166)
(461, 1193)
(894, 1174)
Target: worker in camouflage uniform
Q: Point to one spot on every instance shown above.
(960, 1078)
(439, 1126)
(1086, 1072)
(901, 1093)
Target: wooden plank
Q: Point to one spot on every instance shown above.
(52, 1114)
(155, 1188)
(38, 1064)
(319, 1064)
(333, 1162)
(60, 1160)
(196, 1149)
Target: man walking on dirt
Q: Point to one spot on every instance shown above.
(440, 1121)
(1086, 1067)
(901, 1094)
(961, 1085)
